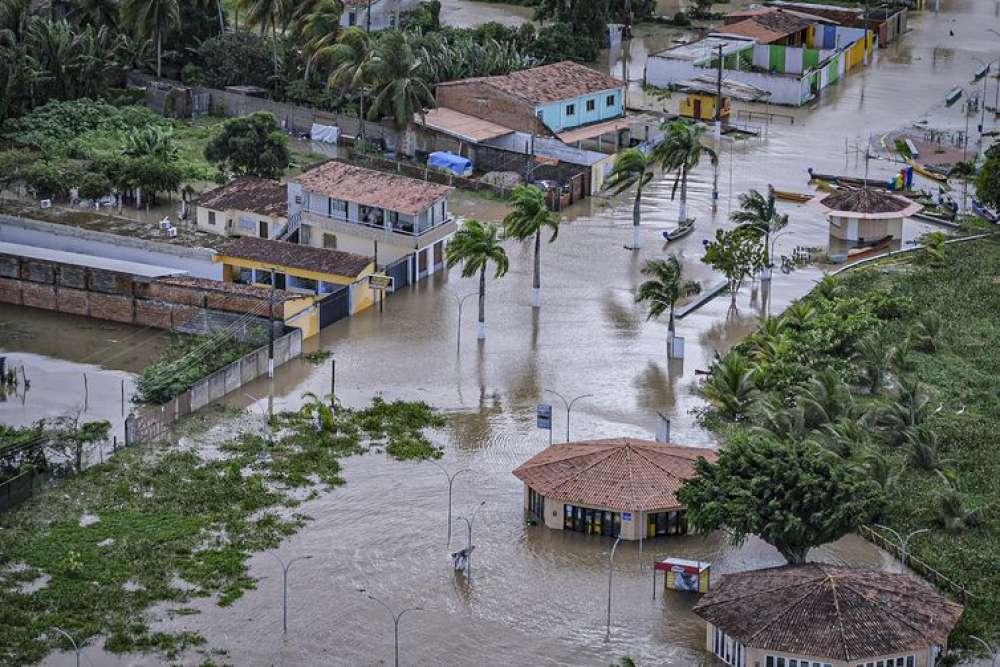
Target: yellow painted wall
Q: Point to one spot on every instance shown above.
(362, 296)
(309, 323)
(707, 106)
(231, 262)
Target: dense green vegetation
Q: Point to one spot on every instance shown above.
(888, 374)
(165, 513)
(185, 361)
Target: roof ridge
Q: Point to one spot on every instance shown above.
(751, 594)
(836, 606)
(639, 451)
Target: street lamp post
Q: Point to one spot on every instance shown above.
(993, 654)
(569, 405)
(904, 542)
(461, 302)
(611, 572)
(76, 647)
(284, 587)
(395, 621)
(468, 523)
(451, 480)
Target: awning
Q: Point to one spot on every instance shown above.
(460, 125)
(595, 130)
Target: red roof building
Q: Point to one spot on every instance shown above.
(610, 487)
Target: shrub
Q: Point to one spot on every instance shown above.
(93, 185)
(237, 59)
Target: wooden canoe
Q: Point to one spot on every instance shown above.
(680, 231)
(788, 195)
(924, 171)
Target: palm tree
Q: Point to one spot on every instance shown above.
(529, 215)
(97, 13)
(475, 245)
(263, 14)
(320, 409)
(760, 213)
(825, 397)
(953, 513)
(350, 58)
(400, 91)
(927, 333)
(829, 288)
(731, 388)
(151, 19)
(681, 151)
(798, 315)
(924, 448)
(631, 169)
(664, 288)
(875, 356)
(316, 26)
(777, 420)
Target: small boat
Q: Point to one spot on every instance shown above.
(680, 231)
(981, 72)
(927, 172)
(983, 212)
(788, 195)
(952, 96)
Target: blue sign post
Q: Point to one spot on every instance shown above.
(544, 419)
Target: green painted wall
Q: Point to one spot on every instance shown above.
(810, 58)
(777, 58)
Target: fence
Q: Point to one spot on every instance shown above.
(915, 564)
(18, 489)
(152, 422)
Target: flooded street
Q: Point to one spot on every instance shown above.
(539, 596)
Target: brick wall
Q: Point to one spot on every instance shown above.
(480, 100)
(120, 297)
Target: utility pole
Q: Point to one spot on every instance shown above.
(333, 382)
(626, 49)
(270, 349)
(611, 572)
(451, 480)
(718, 107)
(866, 33)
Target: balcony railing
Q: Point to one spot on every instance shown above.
(394, 228)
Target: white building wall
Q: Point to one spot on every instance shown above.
(762, 56)
(783, 89)
(793, 61)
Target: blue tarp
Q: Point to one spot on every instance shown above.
(456, 164)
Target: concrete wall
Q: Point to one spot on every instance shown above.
(232, 222)
(154, 421)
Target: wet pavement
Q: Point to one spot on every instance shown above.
(539, 596)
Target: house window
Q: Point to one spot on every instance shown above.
(336, 208)
(591, 105)
(263, 229)
(352, 18)
(330, 241)
(570, 109)
(211, 217)
(610, 101)
(731, 651)
(536, 503)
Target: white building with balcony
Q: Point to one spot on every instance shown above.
(402, 222)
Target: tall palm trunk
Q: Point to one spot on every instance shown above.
(159, 54)
(536, 283)
(222, 16)
(670, 324)
(274, 39)
(682, 214)
(636, 213)
(481, 327)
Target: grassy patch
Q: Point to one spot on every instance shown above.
(939, 320)
(185, 361)
(166, 513)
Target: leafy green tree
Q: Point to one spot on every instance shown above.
(476, 246)
(93, 185)
(666, 285)
(761, 214)
(988, 181)
(737, 254)
(250, 146)
(874, 358)
(631, 169)
(557, 42)
(151, 19)
(528, 217)
(702, 9)
(927, 332)
(236, 58)
(400, 92)
(152, 176)
(790, 494)
(681, 151)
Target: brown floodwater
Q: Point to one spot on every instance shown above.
(539, 596)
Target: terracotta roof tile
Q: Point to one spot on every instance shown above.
(368, 187)
(550, 83)
(283, 254)
(619, 473)
(236, 289)
(768, 27)
(827, 611)
(257, 195)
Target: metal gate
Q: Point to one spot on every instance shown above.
(335, 306)
(400, 272)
